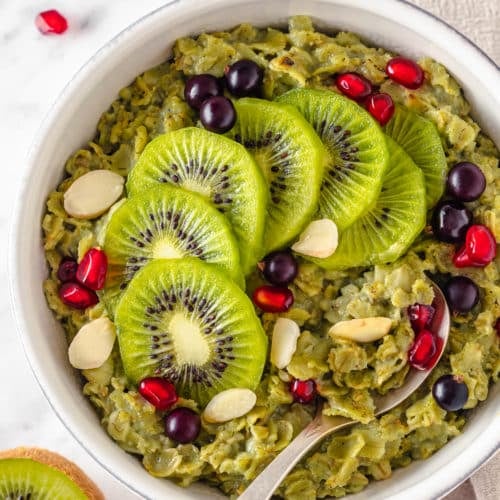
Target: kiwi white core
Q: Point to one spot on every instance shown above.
(165, 249)
(197, 187)
(190, 346)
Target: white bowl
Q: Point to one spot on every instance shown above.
(388, 23)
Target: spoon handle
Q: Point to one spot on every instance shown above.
(263, 486)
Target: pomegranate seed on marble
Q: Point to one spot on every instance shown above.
(479, 250)
(273, 298)
(380, 106)
(405, 72)
(67, 270)
(77, 296)
(423, 350)
(420, 316)
(354, 86)
(303, 391)
(92, 269)
(159, 392)
(51, 22)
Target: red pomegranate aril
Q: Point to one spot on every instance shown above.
(67, 270)
(423, 350)
(405, 72)
(51, 22)
(273, 298)
(77, 296)
(433, 359)
(480, 247)
(462, 258)
(380, 106)
(303, 391)
(159, 392)
(420, 316)
(92, 269)
(354, 86)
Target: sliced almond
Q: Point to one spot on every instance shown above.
(319, 239)
(229, 404)
(362, 330)
(284, 343)
(92, 345)
(92, 194)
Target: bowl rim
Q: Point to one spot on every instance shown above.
(15, 233)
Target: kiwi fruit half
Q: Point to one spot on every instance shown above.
(187, 321)
(218, 169)
(291, 156)
(357, 153)
(391, 224)
(420, 139)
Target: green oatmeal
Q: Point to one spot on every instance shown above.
(229, 455)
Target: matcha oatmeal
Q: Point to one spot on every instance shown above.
(256, 228)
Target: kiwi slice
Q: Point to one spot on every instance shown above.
(292, 158)
(390, 226)
(420, 139)
(24, 478)
(186, 321)
(166, 222)
(357, 153)
(218, 169)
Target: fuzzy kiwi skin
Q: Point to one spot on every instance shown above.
(61, 464)
(237, 343)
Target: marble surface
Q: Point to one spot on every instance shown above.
(33, 71)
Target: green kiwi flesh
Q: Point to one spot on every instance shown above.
(420, 139)
(291, 157)
(357, 153)
(186, 321)
(218, 169)
(391, 225)
(24, 479)
(166, 222)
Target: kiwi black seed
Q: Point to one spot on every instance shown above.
(186, 321)
(218, 169)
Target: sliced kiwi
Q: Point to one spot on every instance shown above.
(217, 168)
(186, 321)
(420, 139)
(23, 478)
(166, 222)
(292, 158)
(357, 153)
(391, 225)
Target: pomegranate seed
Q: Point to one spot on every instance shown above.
(380, 106)
(479, 250)
(303, 391)
(423, 350)
(420, 316)
(159, 392)
(354, 86)
(67, 270)
(51, 21)
(405, 72)
(77, 296)
(92, 269)
(497, 326)
(273, 298)
(433, 359)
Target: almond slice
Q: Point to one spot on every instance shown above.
(362, 330)
(93, 193)
(284, 343)
(92, 345)
(319, 239)
(229, 404)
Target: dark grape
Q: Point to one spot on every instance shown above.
(461, 293)
(217, 114)
(67, 270)
(199, 88)
(280, 268)
(244, 78)
(450, 392)
(450, 221)
(466, 182)
(182, 425)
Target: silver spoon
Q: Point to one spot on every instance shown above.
(263, 486)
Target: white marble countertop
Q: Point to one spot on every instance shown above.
(33, 71)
